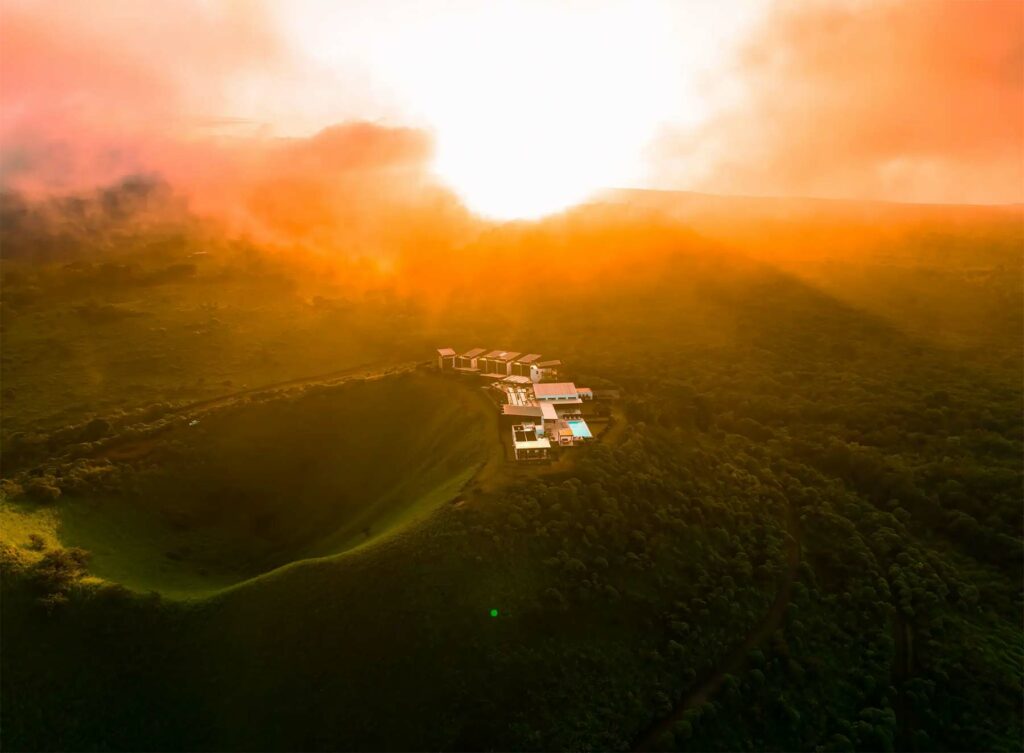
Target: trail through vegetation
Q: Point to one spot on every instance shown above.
(803, 531)
(739, 657)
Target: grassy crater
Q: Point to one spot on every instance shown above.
(255, 487)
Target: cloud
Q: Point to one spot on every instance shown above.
(104, 90)
(357, 188)
(910, 101)
(920, 101)
(93, 91)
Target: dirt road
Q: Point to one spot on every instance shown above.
(737, 658)
(131, 447)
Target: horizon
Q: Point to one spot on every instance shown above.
(522, 111)
(744, 473)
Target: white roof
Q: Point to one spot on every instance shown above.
(533, 444)
(555, 389)
(547, 411)
(445, 352)
(501, 355)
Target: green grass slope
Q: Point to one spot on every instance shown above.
(256, 486)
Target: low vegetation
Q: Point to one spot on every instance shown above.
(237, 493)
(806, 536)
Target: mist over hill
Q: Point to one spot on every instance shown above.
(350, 401)
(803, 534)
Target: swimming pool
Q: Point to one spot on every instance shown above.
(579, 429)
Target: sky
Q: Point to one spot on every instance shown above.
(520, 108)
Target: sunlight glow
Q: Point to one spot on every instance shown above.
(533, 104)
(534, 107)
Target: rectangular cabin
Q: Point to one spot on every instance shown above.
(445, 358)
(468, 361)
(497, 362)
(521, 366)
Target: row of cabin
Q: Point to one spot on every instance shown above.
(498, 363)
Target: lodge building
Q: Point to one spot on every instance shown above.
(497, 363)
(523, 366)
(467, 361)
(546, 413)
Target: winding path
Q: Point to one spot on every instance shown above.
(902, 671)
(120, 449)
(737, 658)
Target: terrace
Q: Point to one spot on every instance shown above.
(554, 411)
(529, 442)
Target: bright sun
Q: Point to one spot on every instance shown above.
(535, 107)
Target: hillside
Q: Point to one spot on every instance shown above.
(806, 536)
(226, 495)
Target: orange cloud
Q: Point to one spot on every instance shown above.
(103, 90)
(920, 101)
(94, 91)
(907, 101)
(358, 189)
